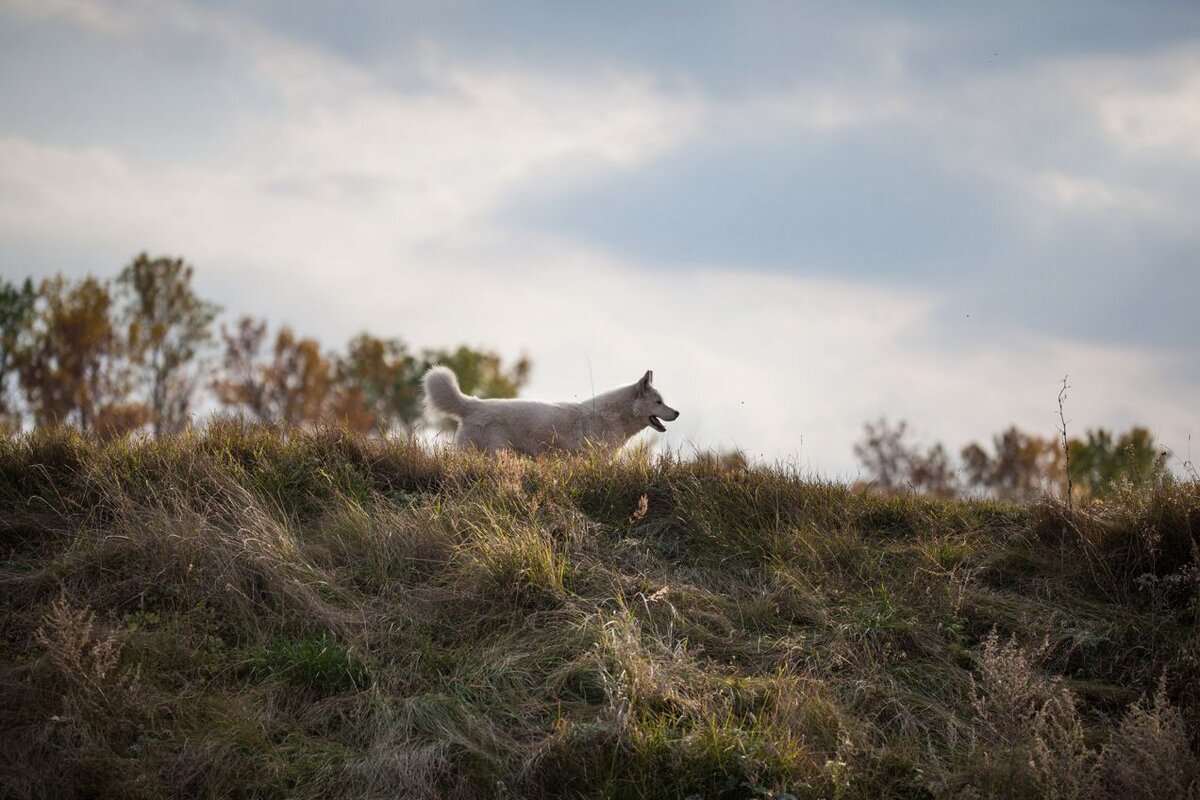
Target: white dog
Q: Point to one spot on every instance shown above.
(607, 420)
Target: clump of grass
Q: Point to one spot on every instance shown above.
(321, 665)
(1026, 739)
(72, 719)
(85, 661)
(1150, 754)
(378, 547)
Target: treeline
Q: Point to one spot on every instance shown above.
(143, 352)
(1017, 466)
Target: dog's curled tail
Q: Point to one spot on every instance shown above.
(442, 393)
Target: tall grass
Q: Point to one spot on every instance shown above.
(253, 613)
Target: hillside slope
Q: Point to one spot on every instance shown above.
(233, 614)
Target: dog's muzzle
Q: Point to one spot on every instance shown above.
(656, 423)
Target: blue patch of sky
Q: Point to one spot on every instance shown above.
(1136, 287)
(157, 97)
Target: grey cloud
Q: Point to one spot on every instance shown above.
(732, 47)
(156, 96)
(873, 205)
(883, 206)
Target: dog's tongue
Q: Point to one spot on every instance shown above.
(657, 425)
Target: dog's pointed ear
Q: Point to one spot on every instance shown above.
(644, 383)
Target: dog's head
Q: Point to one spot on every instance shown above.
(648, 404)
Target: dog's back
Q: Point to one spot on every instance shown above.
(526, 426)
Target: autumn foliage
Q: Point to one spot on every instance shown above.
(1018, 466)
(143, 353)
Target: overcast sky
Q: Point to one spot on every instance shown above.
(800, 216)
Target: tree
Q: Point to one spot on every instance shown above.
(374, 387)
(377, 385)
(291, 386)
(884, 453)
(240, 381)
(931, 473)
(1023, 466)
(894, 463)
(16, 313)
(72, 368)
(1100, 462)
(481, 372)
(299, 378)
(168, 326)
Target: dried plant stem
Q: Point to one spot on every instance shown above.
(1062, 429)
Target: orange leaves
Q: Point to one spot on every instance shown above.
(290, 385)
(70, 366)
(111, 361)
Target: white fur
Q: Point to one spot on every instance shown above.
(607, 420)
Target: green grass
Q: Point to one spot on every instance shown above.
(321, 666)
(241, 613)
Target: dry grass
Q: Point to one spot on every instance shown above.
(242, 613)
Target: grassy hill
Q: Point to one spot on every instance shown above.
(233, 614)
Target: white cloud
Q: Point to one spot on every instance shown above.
(1157, 122)
(350, 173)
(1073, 136)
(48, 190)
(819, 107)
(1047, 196)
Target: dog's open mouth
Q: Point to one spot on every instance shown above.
(656, 423)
